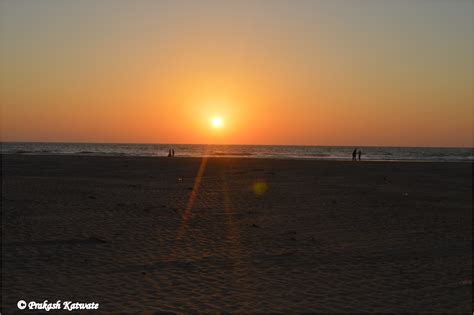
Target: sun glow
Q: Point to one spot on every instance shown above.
(216, 122)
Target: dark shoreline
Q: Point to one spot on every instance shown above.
(231, 158)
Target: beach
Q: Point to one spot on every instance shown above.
(243, 235)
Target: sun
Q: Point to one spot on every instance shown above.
(216, 122)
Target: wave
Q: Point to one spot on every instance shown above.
(232, 153)
(28, 151)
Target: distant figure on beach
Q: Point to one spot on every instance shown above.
(359, 154)
(172, 153)
(354, 154)
(169, 153)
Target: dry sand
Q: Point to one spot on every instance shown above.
(325, 236)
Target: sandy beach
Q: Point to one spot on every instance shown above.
(138, 234)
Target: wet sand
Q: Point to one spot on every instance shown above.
(141, 234)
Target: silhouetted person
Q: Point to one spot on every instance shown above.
(354, 154)
(359, 154)
(172, 153)
(169, 153)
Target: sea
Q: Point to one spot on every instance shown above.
(245, 151)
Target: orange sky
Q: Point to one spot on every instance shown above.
(277, 72)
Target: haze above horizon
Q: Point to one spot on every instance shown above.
(263, 72)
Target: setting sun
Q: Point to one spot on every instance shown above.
(216, 122)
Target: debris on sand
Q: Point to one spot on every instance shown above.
(96, 239)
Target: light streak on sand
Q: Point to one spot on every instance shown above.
(240, 279)
(189, 206)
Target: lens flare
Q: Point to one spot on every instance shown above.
(260, 188)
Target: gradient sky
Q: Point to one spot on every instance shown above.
(395, 73)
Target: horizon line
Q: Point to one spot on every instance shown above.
(238, 144)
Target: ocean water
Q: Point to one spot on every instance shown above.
(247, 151)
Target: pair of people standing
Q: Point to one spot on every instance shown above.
(171, 153)
(356, 154)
